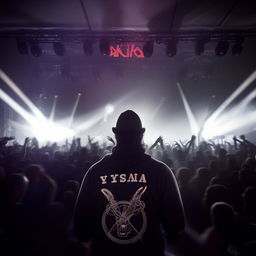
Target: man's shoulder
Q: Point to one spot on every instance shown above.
(146, 160)
(102, 162)
(160, 165)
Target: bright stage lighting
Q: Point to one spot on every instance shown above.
(109, 109)
(227, 128)
(70, 122)
(15, 106)
(40, 128)
(194, 127)
(47, 131)
(53, 108)
(237, 110)
(224, 121)
(86, 125)
(212, 119)
(21, 95)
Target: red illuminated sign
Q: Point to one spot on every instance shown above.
(127, 51)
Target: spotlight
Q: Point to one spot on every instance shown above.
(22, 47)
(171, 48)
(148, 49)
(88, 50)
(199, 47)
(109, 109)
(35, 49)
(58, 48)
(222, 48)
(104, 47)
(237, 48)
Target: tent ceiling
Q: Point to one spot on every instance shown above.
(139, 15)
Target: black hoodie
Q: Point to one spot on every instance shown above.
(123, 202)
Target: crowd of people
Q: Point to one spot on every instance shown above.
(39, 187)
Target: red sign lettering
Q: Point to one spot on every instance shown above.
(128, 51)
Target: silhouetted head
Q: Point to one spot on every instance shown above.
(14, 188)
(128, 130)
(184, 175)
(215, 180)
(222, 152)
(33, 173)
(203, 174)
(223, 215)
(249, 201)
(214, 193)
(249, 164)
(42, 189)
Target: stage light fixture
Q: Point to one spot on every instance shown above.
(58, 48)
(148, 48)
(22, 47)
(104, 47)
(171, 48)
(35, 49)
(199, 47)
(88, 48)
(222, 48)
(237, 48)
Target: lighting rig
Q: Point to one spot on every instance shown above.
(32, 40)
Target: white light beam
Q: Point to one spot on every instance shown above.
(53, 108)
(25, 99)
(191, 119)
(15, 106)
(74, 110)
(237, 92)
